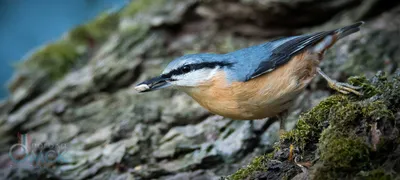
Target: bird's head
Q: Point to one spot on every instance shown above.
(186, 71)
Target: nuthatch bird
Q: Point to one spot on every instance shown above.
(256, 82)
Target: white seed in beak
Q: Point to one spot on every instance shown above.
(142, 87)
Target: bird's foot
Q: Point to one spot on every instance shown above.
(344, 88)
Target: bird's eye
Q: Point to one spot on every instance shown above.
(186, 69)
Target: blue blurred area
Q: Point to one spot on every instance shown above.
(27, 24)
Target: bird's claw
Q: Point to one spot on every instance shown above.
(345, 88)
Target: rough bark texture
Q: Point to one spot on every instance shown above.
(75, 99)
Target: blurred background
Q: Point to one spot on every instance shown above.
(28, 24)
(71, 66)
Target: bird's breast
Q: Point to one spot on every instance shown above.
(264, 96)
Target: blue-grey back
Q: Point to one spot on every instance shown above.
(246, 61)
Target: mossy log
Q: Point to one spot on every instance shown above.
(344, 137)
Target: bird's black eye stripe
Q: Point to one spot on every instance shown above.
(192, 67)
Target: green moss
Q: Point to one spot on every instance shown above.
(269, 155)
(55, 59)
(377, 110)
(339, 145)
(367, 89)
(343, 151)
(96, 30)
(343, 145)
(321, 112)
(140, 6)
(311, 124)
(340, 111)
(300, 135)
(258, 164)
(345, 115)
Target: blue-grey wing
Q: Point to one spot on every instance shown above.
(283, 50)
(286, 49)
(257, 60)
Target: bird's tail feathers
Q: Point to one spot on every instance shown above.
(345, 31)
(335, 35)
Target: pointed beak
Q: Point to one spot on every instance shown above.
(153, 84)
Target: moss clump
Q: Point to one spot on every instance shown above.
(55, 59)
(311, 124)
(340, 111)
(352, 136)
(345, 114)
(377, 110)
(140, 6)
(96, 30)
(343, 151)
(345, 144)
(258, 164)
(299, 136)
(355, 136)
(367, 89)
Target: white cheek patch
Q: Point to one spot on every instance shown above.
(212, 73)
